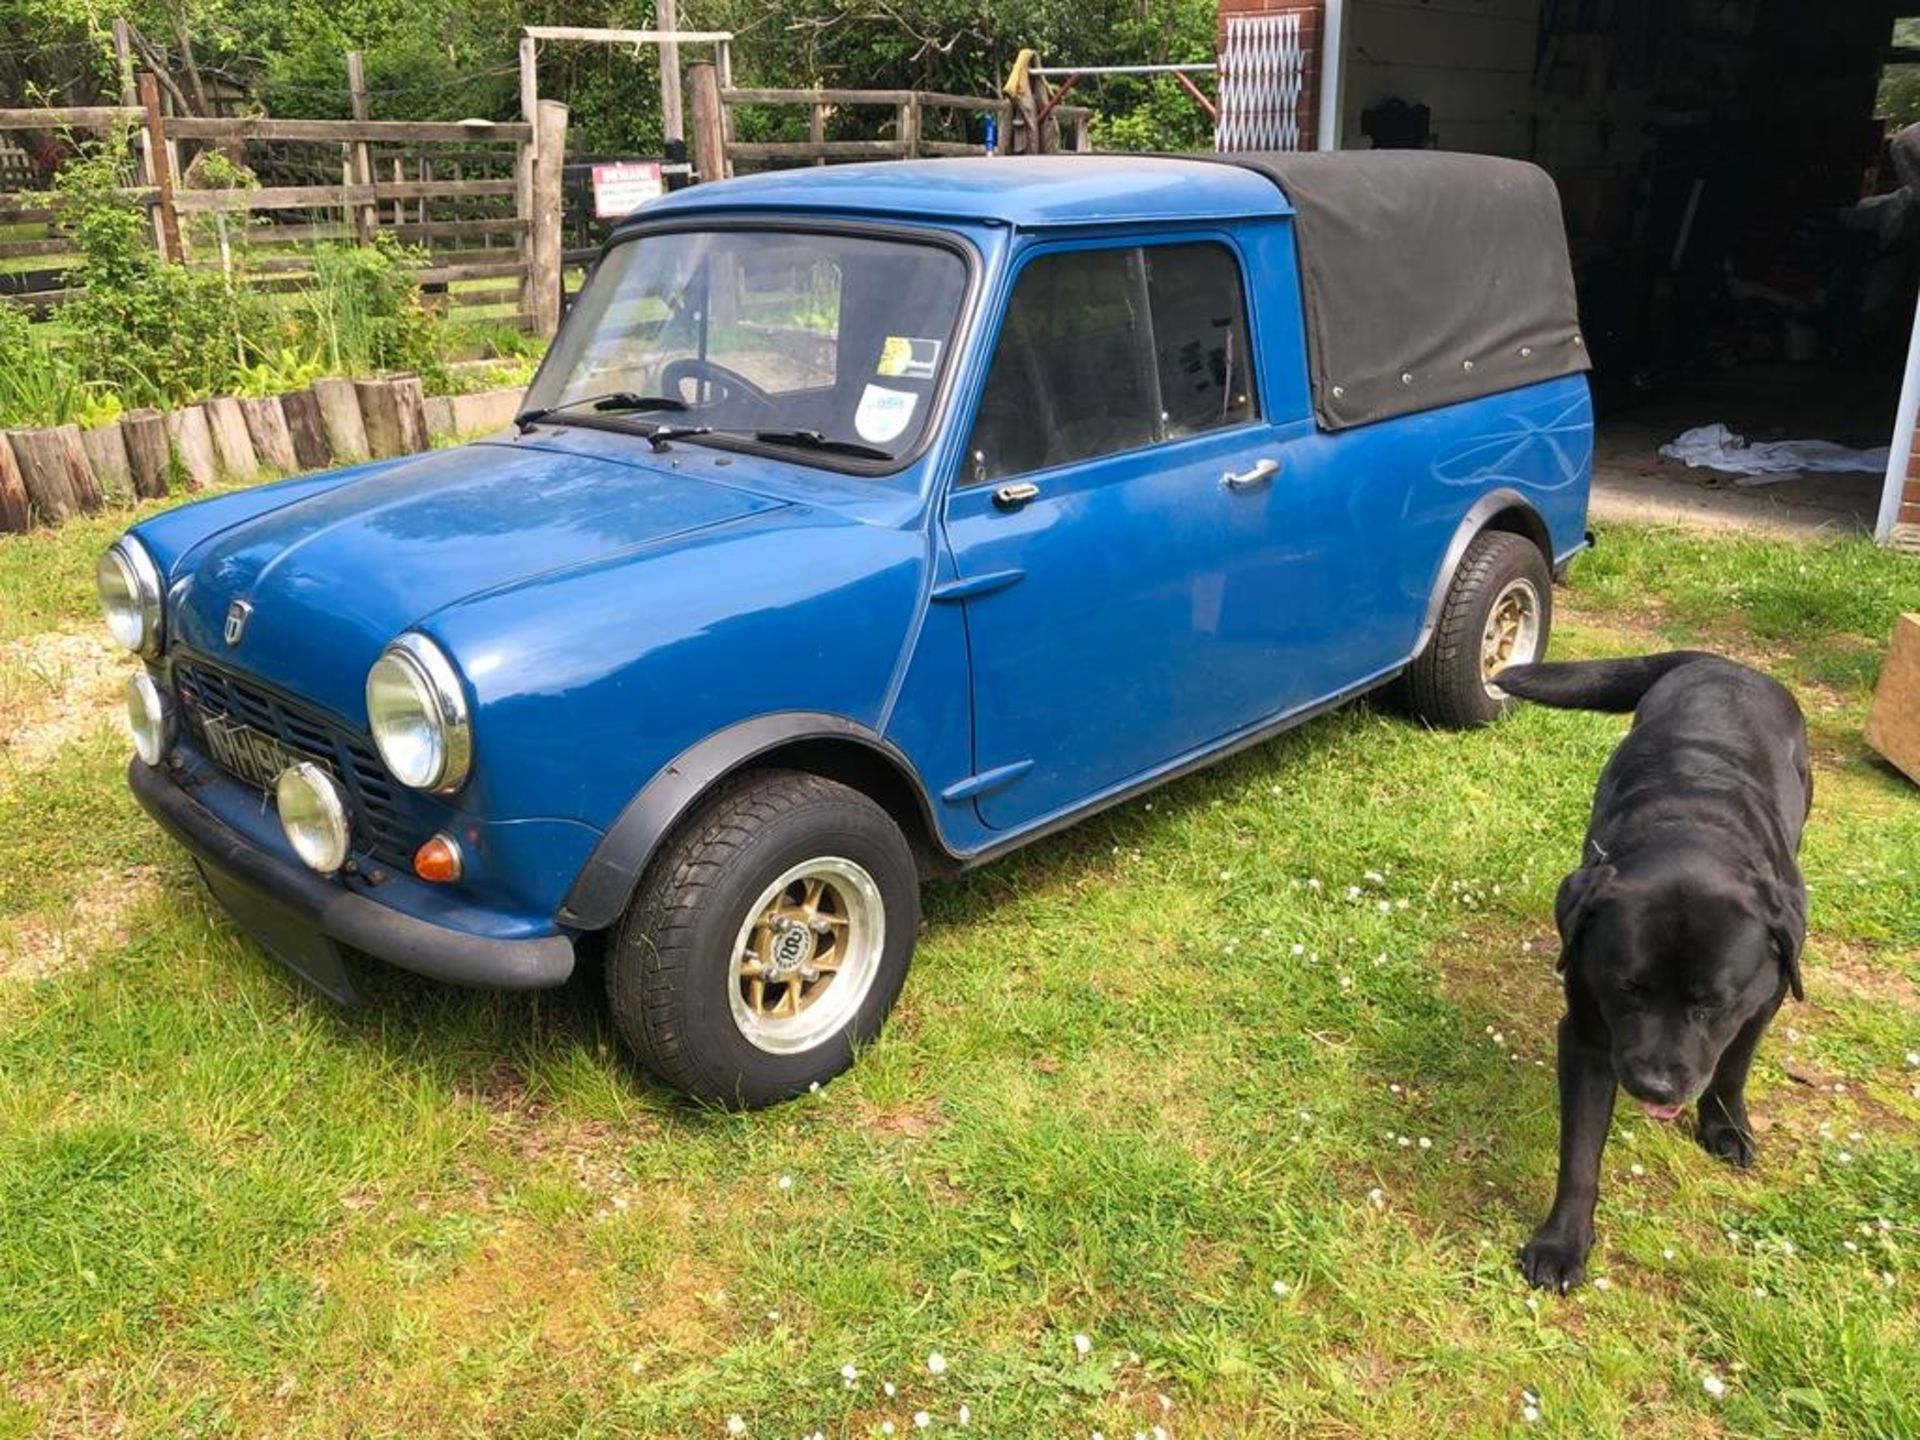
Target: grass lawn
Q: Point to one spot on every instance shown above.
(1224, 1113)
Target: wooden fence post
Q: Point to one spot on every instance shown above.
(709, 140)
(364, 216)
(160, 163)
(543, 274)
(123, 62)
(672, 123)
(909, 126)
(723, 63)
(524, 162)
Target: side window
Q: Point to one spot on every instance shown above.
(1199, 337)
(1070, 378)
(1109, 350)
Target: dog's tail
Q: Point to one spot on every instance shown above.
(1615, 686)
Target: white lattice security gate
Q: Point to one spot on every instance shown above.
(1263, 73)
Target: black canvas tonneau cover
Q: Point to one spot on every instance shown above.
(1429, 278)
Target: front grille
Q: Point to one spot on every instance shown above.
(379, 824)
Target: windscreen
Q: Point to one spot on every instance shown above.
(745, 331)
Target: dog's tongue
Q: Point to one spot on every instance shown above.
(1661, 1112)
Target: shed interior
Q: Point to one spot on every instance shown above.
(1745, 248)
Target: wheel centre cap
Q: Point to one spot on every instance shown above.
(792, 947)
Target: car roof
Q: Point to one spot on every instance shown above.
(1026, 190)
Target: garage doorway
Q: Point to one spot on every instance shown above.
(1745, 240)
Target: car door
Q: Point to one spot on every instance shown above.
(1139, 580)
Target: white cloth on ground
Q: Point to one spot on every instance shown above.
(1718, 448)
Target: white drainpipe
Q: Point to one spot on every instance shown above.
(1902, 451)
(1333, 64)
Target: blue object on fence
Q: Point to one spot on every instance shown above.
(993, 135)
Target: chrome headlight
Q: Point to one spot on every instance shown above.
(313, 813)
(130, 593)
(417, 710)
(150, 718)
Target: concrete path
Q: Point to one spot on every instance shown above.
(1632, 482)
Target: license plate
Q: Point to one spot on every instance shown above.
(249, 754)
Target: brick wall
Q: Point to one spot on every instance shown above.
(1906, 522)
(1312, 15)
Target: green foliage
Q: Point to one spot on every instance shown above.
(278, 372)
(158, 334)
(364, 311)
(39, 385)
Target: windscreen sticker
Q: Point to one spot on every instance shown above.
(883, 414)
(909, 357)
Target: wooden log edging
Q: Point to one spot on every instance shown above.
(301, 411)
(15, 512)
(341, 418)
(54, 472)
(50, 473)
(106, 449)
(232, 444)
(267, 424)
(148, 451)
(192, 441)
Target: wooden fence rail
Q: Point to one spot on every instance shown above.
(909, 139)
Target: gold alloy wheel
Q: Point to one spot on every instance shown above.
(806, 955)
(1512, 636)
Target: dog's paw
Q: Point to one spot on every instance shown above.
(1551, 1261)
(1727, 1139)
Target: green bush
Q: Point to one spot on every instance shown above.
(364, 313)
(158, 334)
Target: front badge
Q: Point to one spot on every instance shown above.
(237, 615)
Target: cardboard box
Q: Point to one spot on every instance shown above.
(1893, 724)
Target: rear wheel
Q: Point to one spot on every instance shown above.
(768, 939)
(1498, 612)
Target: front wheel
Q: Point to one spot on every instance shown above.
(768, 939)
(1498, 612)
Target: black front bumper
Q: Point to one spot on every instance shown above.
(272, 897)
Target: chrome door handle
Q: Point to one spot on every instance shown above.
(1246, 479)
(1012, 497)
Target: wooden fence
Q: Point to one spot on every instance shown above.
(717, 151)
(465, 190)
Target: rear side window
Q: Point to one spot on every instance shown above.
(1199, 337)
(1109, 350)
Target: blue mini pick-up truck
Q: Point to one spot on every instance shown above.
(864, 524)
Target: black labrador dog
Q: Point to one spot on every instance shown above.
(1680, 935)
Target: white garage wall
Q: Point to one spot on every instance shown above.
(1469, 61)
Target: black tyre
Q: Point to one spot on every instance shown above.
(770, 937)
(1498, 612)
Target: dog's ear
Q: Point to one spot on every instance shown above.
(1787, 924)
(1574, 904)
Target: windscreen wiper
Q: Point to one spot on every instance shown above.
(799, 439)
(613, 401)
